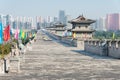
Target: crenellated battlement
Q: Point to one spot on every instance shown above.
(105, 47)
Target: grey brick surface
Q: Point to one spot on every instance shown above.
(49, 60)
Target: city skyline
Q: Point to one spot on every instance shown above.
(91, 9)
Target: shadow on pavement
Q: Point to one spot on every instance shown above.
(94, 56)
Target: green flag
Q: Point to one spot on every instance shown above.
(113, 36)
(20, 34)
(25, 35)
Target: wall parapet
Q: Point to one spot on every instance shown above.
(105, 47)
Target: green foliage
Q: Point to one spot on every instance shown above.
(14, 40)
(5, 49)
(25, 41)
(106, 35)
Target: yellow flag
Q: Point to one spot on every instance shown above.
(74, 35)
(23, 35)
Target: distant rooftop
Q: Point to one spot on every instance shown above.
(59, 24)
(82, 19)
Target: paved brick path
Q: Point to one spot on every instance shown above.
(49, 60)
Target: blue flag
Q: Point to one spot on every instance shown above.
(11, 32)
(1, 33)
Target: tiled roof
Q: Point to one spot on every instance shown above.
(81, 19)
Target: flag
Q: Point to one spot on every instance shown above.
(30, 35)
(16, 35)
(23, 34)
(74, 35)
(34, 35)
(26, 35)
(69, 33)
(11, 32)
(113, 36)
(20, 34)
(7, 33)
(1, 34)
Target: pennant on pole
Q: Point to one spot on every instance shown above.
(74, 35)
(23, 34)
(16, 35)
(1, 33)
(7, 33)
(113, 36)
(20, 34)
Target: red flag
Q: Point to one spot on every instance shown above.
(7, 33)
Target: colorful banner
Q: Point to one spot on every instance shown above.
(23, 34)
(16, 34)
(113, 36)
(7, 33)
(74, 35)
(20, 34)
(1, 33)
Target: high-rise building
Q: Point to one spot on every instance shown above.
(22, 23)
(113, 22)
(55, 19)
(39, 21)
(8, 19)
(68, 25)
(94, 26)
(101, 24)
(62, 16)
(49, 20)
(17, 22)
(3, 20)
(30, 22)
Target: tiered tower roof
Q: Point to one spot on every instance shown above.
(59, 25)
(82, 20)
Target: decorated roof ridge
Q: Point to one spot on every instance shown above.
(82, 19)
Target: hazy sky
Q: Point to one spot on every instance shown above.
(89, 8)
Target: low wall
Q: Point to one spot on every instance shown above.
(101, 47)
(68, 40)
(114, 49)
(5, 64)
(11, 62)
(53, 35)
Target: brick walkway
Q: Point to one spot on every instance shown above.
(49, 60)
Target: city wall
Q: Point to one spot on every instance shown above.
(68, 40)
(109, 48)
(103, 47)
